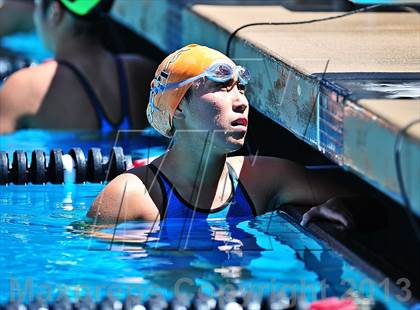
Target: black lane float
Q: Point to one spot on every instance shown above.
(95, 169)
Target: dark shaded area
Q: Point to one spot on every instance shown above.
(265, 137)
(120, 39)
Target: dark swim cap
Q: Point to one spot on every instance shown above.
(85, 8)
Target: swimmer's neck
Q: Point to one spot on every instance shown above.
(79, 48)
(196, 164)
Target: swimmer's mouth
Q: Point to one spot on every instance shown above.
(240, 122)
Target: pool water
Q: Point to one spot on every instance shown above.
(27, 45)
(152, 144)
(20, 50)
(49, 248)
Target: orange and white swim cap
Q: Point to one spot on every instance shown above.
(181, 65)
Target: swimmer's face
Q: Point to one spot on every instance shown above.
(221, 108)
(40, 17)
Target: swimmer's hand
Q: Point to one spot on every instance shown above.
(331, 210)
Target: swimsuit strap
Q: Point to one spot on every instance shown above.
(164, 189)
(177, 207)
(242, 198)
(94, 100)
(237, 205)
(104, 122)
(233, 175)
(124, 122)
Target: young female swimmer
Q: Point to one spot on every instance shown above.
(198, 99)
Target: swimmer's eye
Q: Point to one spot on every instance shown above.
(241, 87)
(224, 86)
(229, 85)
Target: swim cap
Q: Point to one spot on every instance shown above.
(83, 8)
(182, 64)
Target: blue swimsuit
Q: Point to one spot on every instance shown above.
(104, 123)
(239, 205)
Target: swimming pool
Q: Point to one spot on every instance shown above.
(48, 249)
(27, 45)
(18, 51)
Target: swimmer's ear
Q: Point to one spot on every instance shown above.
(55, 12)
(179, 114)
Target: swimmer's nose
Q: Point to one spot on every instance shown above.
(239, 104)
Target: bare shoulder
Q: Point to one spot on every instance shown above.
(44, 69)
(267, 179)
(34, 80)
(124, 198)
(23, 92)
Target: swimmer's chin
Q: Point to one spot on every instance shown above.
(236, 137)
(235, 143)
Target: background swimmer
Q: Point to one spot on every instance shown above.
(198, 99)
(85, 86)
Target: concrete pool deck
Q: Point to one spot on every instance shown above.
(301, 76)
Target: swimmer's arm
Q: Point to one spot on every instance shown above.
(309, 187)
(320, 189)
(125, 198)
(9, 104)
(289, 183)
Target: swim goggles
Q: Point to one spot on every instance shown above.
(218, 72)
